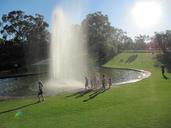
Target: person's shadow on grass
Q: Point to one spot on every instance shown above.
(17, 108)
(80, 93)
(165, 77)
(95, 94)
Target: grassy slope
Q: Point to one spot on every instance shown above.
(145, 104)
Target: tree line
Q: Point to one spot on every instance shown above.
(106, 41)
(25, 39)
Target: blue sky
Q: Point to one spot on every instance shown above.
(118, 11)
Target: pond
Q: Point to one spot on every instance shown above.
(27, 85)
(120, 75)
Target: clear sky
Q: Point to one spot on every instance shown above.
(122, 13)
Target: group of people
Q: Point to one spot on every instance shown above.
(97, 82)
(92, 83)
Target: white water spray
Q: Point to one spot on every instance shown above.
(68, 54)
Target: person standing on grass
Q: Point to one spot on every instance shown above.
(40, 91)
(86, 83)
(103, 82)
(95, 82)
(163, 72)
(91, 82)
(110, 82)
(98, 82)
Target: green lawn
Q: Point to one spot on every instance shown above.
(145, 104)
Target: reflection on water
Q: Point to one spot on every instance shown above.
(19, 86)
(23, 86)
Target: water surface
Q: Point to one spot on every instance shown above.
(25, 86)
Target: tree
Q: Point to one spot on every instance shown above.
(128, 44)
(160, 39)
(140, 42)
(1, 41)
(18, 26)
(26, 35)
(163, 39)
(168, 39)
(103, 39)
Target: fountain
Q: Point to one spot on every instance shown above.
(67, 54)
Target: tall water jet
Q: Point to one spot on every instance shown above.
(68, 52)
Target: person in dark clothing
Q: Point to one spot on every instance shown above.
(103, 82)
(40, 91)
(110, 82)
(163, 72)
(163, 69)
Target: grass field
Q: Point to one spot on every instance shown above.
(145, 104)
